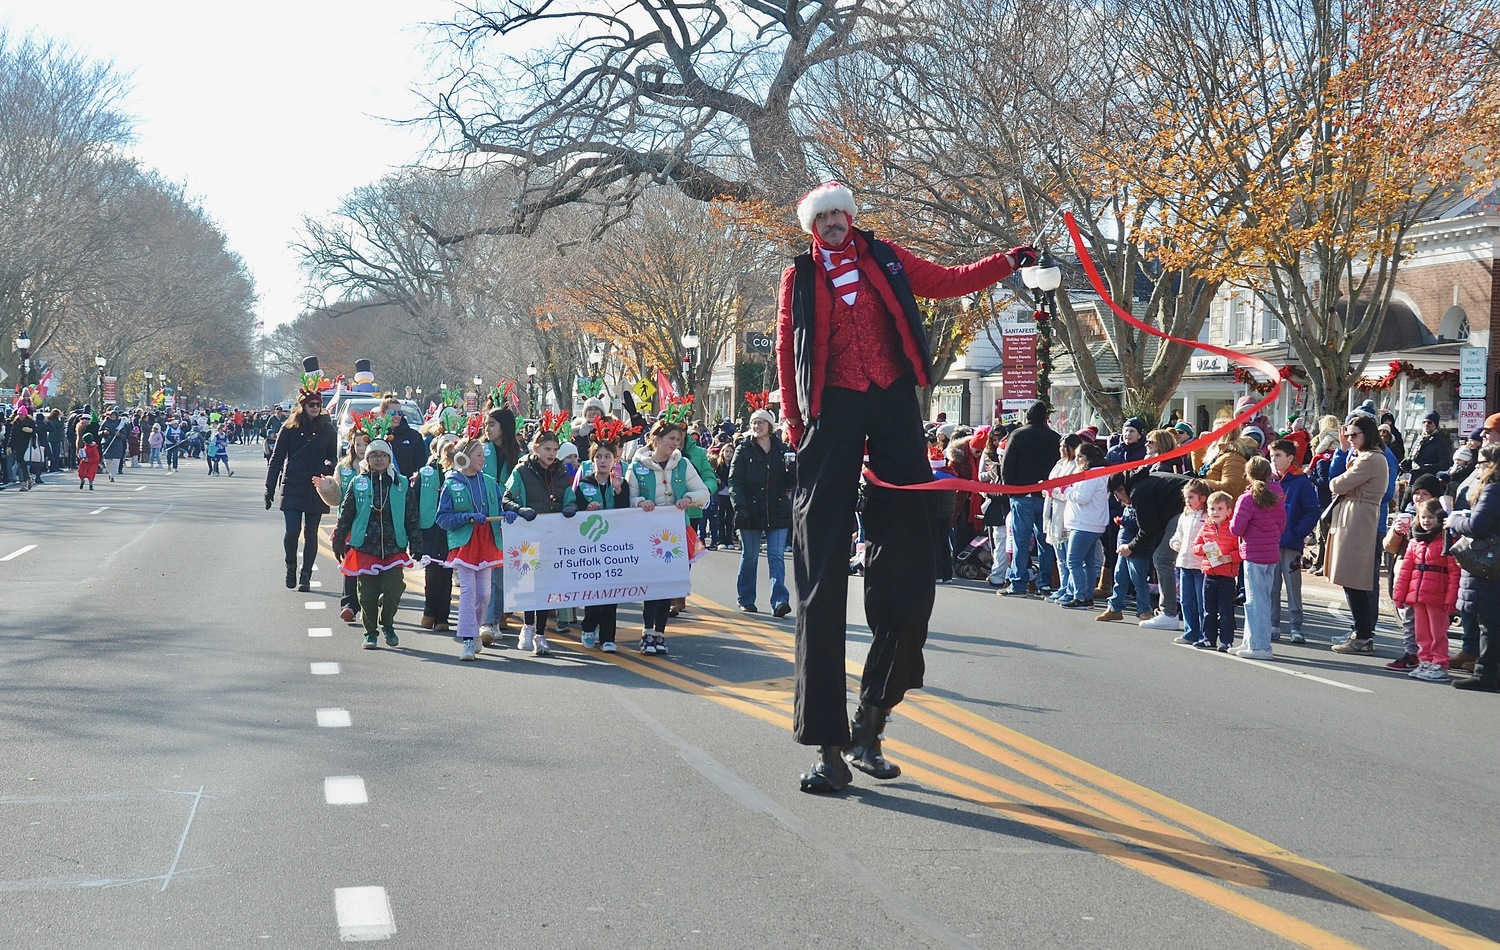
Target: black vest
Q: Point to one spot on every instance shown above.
(804, 312)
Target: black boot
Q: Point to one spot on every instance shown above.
(829, 773)
(863, 751)
(1484, 679)
(291, 574)
(305, 583)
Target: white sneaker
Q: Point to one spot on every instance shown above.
(1431, 672)
(608, 647)
(469, 649)
(1250, 654)
(486, 633)
(589, 639)
(539, 645)
(1161, 622)
(528, 636)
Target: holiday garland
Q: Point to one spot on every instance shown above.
(1415, 373)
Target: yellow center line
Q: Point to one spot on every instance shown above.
(1401, 913)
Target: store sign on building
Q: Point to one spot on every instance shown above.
(1199, 365)
(1471, 366)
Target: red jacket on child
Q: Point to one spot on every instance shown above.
(1427, 574)
(1229, 549)
(88, 461)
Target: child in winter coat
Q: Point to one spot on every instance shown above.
(1189, 565)
(1258, 521)
(600, 485)
(1220, 551)
(1427, 582)
(88, 462)
(469, 499)
(538, 485)
(156, 440)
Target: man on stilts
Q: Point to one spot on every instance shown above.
(852, 351)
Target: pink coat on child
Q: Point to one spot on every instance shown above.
(1259, 529)
(1427, 574)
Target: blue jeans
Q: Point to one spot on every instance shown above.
(1258, 604)
(495, 609)
(1085, 557)
(1025, 524)
(750, 542)
(1064, 573)
(1132, 572)
(1190, 595)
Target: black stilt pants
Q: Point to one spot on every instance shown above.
(899, 577)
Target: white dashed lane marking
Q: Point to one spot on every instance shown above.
(345, 790)
(325, 669)
(142, 488)
(334, 718)
(97, 510)
(320, 631)
(315, 605)
(315, 584)
(364, 913)
(15, 554)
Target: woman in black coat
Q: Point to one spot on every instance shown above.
(307, 447)
(761, 479)
(1476, 597)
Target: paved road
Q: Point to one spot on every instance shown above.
(170, 744)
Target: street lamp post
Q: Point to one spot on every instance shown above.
(689, 350)
(146, 397)
(23, 351)
(101, 362)
(531, 388)
(1043, 280)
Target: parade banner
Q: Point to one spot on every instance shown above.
(595, 557)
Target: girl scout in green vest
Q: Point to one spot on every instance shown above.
(468, 500)
(502, 453)
(660, 475)
(371, 537)
(600, 484)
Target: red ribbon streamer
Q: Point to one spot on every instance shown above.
(1202, 441)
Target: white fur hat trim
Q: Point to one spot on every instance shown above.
(828, 196)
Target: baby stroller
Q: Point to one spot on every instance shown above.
(975, 560)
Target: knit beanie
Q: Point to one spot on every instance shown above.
(1135, 422)
(765, 415)
(1429, 482)
(1185, 429)
(379, 445)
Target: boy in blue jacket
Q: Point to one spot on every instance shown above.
(1300, 496)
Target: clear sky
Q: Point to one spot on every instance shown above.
(266, 110)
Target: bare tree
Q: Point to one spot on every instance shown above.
(61, 126)
(701, 96)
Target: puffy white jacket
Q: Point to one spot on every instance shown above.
(1088, 505)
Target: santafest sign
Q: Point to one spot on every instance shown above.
(595, 557)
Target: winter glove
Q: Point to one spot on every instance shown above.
(569, 511)
(510, 517)
(478, 518)
(1023, 256)
(527, 514)
(270, 497)
(340, 548)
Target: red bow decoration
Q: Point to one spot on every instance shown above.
(760, 400)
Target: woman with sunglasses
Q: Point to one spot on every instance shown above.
(1353, 560)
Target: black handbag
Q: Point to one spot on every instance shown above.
(1478, 556)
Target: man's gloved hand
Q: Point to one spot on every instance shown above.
(1023, 256)
(527, 514)
(510, 517)
(270, 497)
(569, 511)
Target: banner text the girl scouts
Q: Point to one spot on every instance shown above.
(595, 557)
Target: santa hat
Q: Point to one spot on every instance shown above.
(829, 196)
